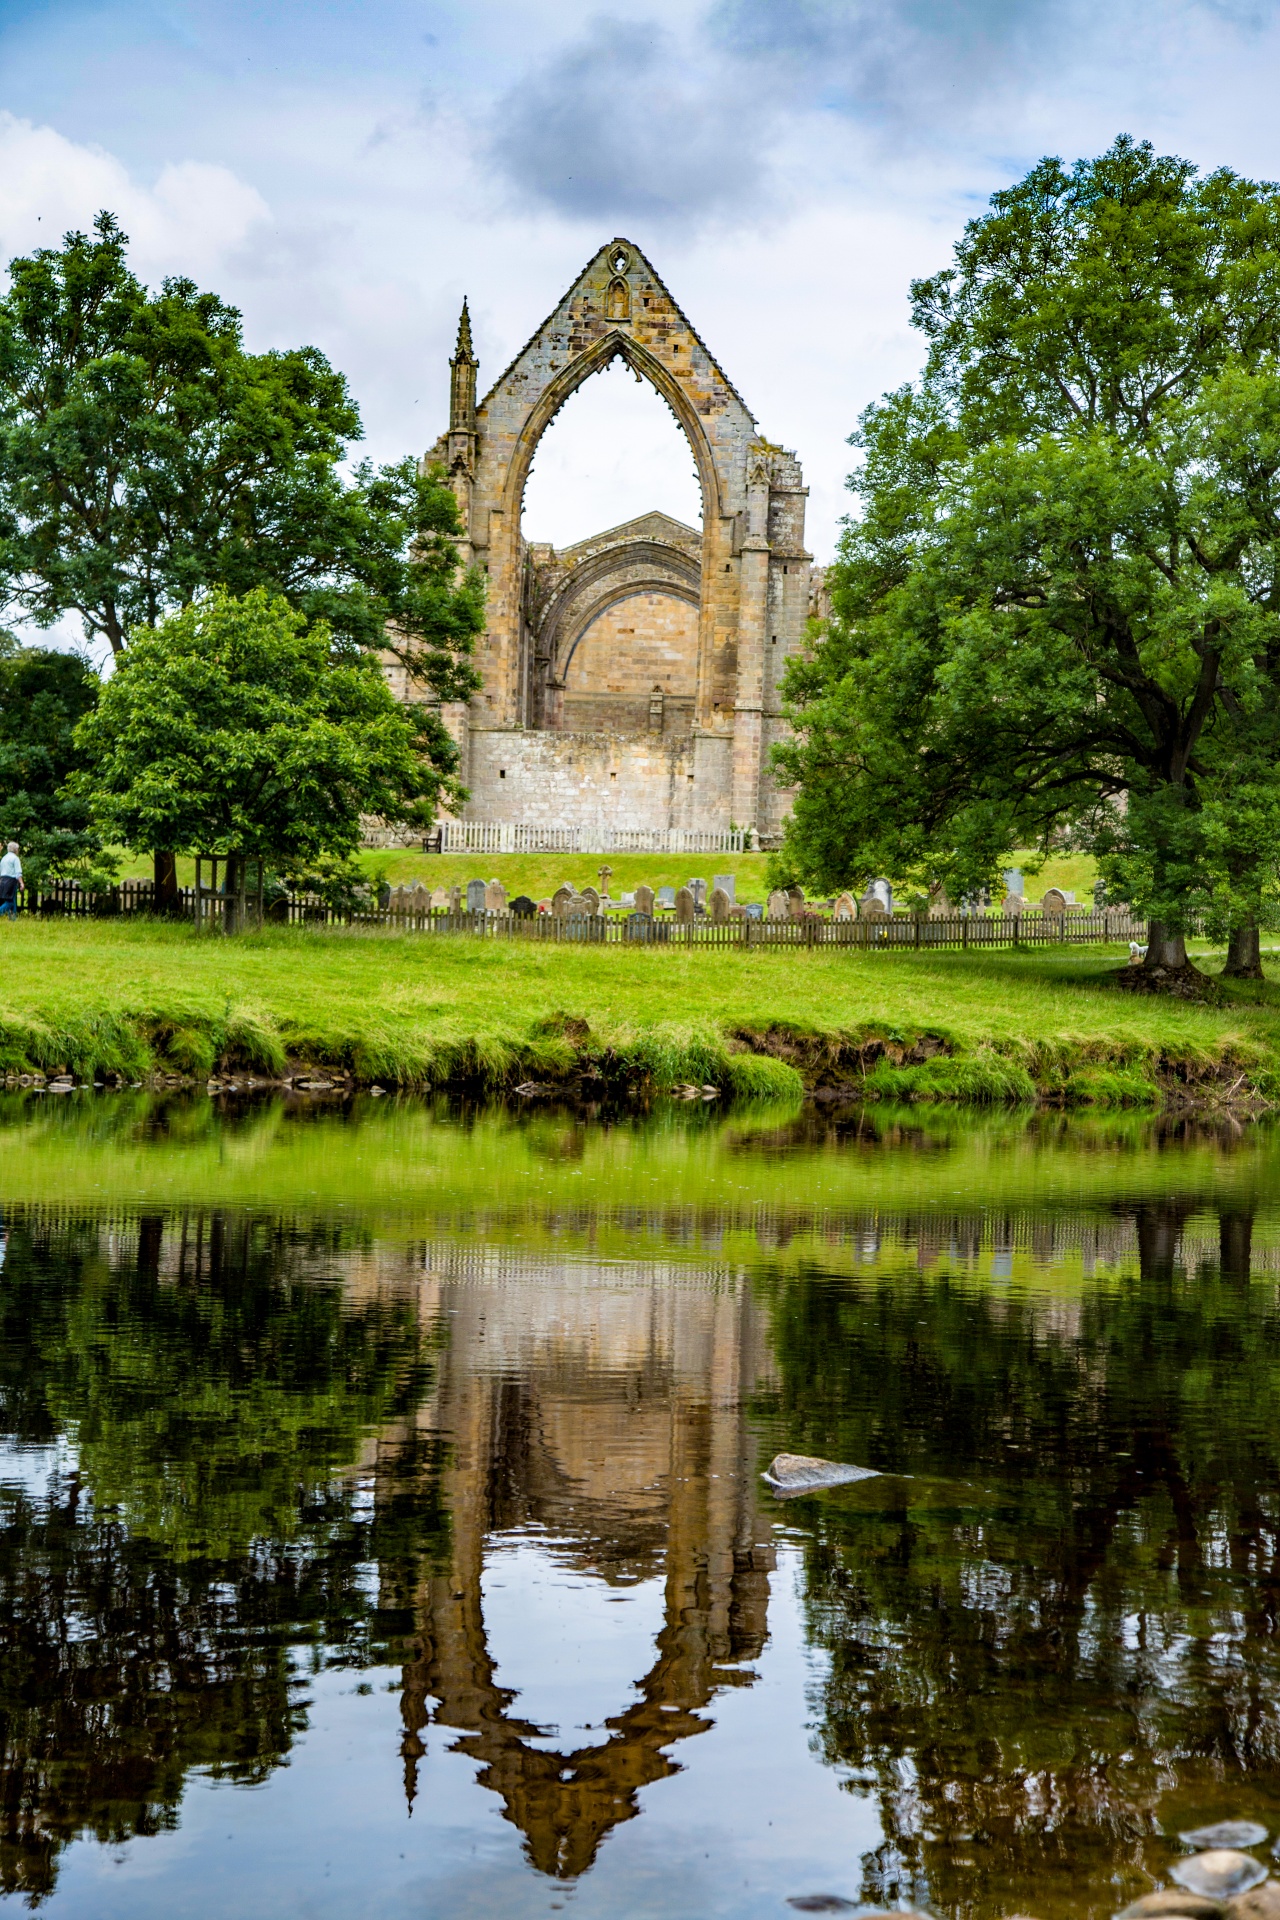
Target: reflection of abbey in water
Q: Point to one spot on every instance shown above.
(630, 681)
(611, 1417)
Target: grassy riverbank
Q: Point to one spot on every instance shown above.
(134, 997)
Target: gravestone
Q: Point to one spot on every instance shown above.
(455, 898)
(779, 906)
(640, 926)
(578, 907)
(1013, 881)
(644, 900)
(720, 905)
(560, 901)
(440, 899)
(873, 908)
(1014, 903)
(753, 910)
(940, 907)
(698, 888)
(475, 896)
(495, 897)
(523, 907)
(727, 882)
(686, 906)
(590, 895)
(666, 896)
(795, 902)
(1054, 904)
(881, 890)
(845, 907)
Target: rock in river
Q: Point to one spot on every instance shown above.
(1219, 1873)
(1226, 1833)
(802, 1473)
(1171, 1901)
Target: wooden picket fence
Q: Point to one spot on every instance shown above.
(962, 931)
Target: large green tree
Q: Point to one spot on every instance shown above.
(146, 456)
(236, 728)
(1058, 605)
(43, 695)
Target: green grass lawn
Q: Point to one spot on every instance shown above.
(127, 996)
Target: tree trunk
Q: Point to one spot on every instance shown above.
(233, 891)
(165, 870)
(1164, 948)
(1244, 954)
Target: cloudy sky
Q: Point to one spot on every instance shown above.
(345, 173)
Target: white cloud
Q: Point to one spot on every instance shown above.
(190, 220)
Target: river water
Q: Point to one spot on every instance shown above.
(384, 1530)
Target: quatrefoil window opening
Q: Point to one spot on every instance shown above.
(619, 260)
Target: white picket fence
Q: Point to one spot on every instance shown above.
(509, 836)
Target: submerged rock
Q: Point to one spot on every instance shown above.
(1226, 1833)
(804, 1473)
(1261, 1903)
(1171, 1901)
(1219, 1873)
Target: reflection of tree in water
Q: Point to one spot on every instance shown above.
(1068, 1619)
(215, 1382)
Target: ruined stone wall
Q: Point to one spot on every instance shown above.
(548, 779)
(751, 568)
(648, 642)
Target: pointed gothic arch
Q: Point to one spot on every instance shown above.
(754, 571)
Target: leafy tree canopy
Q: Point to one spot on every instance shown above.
(1058, 605)
(145, 455)
(43, 695)
(237, 728)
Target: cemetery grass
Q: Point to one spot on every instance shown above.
(133, 998)
(539, 874)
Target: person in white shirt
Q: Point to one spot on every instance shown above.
(10, 879)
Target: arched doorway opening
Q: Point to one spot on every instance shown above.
(611, 617)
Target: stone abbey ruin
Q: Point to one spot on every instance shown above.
(631, 680)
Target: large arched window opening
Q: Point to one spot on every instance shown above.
(612, 531)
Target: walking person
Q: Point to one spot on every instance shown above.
(10, 880)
